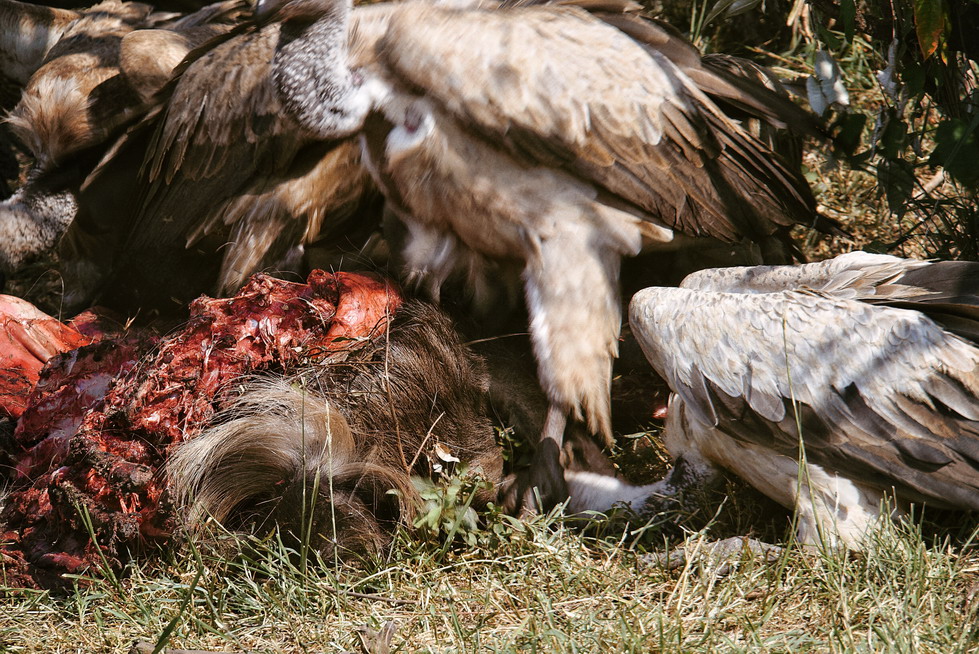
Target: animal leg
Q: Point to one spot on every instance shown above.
(574, 323)
(541, 486)
(833, 510)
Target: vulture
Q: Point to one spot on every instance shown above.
(545, 140)
(526, 150)
(827, 386)
(86, 75)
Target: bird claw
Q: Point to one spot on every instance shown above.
(538, 488)
(723, 556)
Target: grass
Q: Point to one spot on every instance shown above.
(538, 586)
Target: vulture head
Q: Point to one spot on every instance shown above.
(311, 68)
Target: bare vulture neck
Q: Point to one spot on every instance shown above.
(313, 78)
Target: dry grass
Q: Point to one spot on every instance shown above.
(542, 586)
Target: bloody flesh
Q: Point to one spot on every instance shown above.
(99, 423)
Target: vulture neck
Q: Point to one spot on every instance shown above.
(315, 83)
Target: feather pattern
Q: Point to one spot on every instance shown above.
(630, 121)
(222, 142)
(877, 394)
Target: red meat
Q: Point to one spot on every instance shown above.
(98, 425)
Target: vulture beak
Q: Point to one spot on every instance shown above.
(264, 9)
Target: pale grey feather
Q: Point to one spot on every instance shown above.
(883, 399)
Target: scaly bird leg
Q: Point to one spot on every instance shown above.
(541, 486)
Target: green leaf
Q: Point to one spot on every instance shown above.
(957, 150)
(893, 139)
(914, 78)
(832, 41)
(929, 23)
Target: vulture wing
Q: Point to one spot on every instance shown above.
(227, 167)
(879, 394)
(629, 120)
(945, 291)
(856, 275)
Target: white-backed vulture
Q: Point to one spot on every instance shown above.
(528, 147)
(862, 365)
(553, 140)
(96, 73)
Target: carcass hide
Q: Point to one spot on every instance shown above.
(100, 422)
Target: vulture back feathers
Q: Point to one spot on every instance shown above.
(838, 358)
(224, 182)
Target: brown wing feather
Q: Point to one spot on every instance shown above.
(631, 122)
(222, 135)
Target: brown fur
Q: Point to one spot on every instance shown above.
(345, 433)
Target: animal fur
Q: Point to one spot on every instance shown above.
(328, 455)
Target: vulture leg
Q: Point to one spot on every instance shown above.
(571, 282)
(679, 492)
(541, 486)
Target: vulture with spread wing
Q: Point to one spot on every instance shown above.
(547, 139)
(862, 367)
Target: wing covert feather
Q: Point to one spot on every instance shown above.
(221, 125)
(883, 393)
(629, 120)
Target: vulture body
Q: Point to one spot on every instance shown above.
(221, 121)
(558, 162)
(861, 367)
(547, 156)
(87, 75)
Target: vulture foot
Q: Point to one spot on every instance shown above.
(539, 487)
